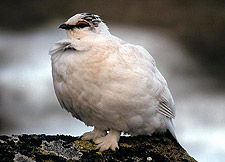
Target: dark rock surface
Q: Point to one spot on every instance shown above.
(29, 148)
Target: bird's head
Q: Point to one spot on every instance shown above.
(84, 25)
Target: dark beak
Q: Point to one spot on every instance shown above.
(66, 26)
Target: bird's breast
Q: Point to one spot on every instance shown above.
(81, 76)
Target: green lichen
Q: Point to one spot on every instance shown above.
(40, 150)
(100, 153)
(85, 146)
(35, 137)
(125, 145)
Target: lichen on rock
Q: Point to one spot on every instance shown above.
(155, 148)
(67, 151)
(22, 158)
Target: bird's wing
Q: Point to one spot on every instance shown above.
(67, 44)
(166, 103)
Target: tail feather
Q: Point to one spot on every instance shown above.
(171, 129)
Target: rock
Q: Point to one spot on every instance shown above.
(30, 148)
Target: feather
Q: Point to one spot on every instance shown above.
(165, 110)
(66, 44)
(60, 45)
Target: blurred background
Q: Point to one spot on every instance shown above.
(186, 38)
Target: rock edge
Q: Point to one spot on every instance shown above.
(30, 148)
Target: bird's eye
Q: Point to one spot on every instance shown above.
(82, 24)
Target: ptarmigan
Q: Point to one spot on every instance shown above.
(108, 83)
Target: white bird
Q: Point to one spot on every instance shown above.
(108, 83)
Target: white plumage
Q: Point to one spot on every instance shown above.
(108, 83)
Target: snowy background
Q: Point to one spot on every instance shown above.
(28, 103)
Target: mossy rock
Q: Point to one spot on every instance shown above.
(62, 148)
